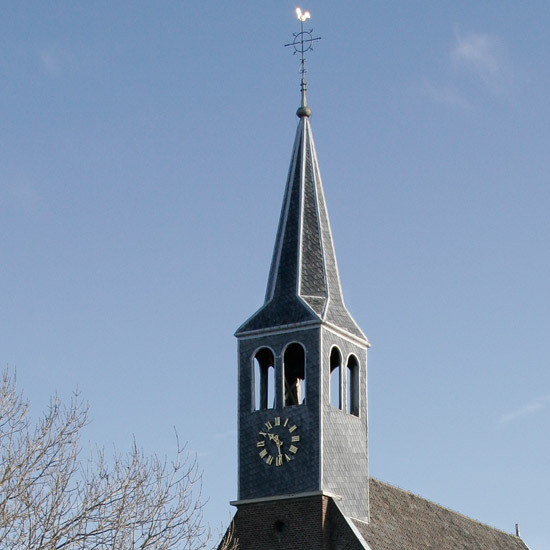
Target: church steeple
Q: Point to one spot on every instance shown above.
(304, 284)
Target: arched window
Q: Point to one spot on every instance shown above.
(353, 385)
(264, 379)
(294, 375)
(335, 378)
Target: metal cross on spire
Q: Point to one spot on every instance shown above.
(302, 43)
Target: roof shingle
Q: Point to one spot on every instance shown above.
(403, 521)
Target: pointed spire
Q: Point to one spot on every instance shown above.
(304, 284)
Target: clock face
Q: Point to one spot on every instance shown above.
(278, 441)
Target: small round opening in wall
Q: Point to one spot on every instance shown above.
(279, 526)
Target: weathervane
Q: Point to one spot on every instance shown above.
(302, 43)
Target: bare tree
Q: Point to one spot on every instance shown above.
(53, 499)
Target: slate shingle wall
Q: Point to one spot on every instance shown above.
(333, 451)
(344, 436)
(304, 268)
(256, 478)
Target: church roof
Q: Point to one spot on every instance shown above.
(400, 520)
(304, 284)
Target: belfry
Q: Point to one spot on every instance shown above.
(303, 477)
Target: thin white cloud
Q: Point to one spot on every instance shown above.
(22, 193)
(474, 58)
(532, 407)
(49, 62)
(445, 94)
(54, 59)
(481, 55)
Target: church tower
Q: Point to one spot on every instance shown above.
(303, 359)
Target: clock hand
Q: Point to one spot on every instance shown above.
(278, 442)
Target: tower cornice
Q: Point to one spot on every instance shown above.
(307, 325)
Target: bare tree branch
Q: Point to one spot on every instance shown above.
(53, 499)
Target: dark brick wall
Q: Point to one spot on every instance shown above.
(290, 524)
(313, 522)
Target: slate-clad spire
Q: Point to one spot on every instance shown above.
(304, 285)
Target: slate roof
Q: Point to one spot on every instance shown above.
(400, 520)
(304, 285)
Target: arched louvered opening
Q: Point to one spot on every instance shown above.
(264, 379)
(336, 378)
(353, 385)
(294, 375)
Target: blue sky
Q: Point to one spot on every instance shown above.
(143, 154)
